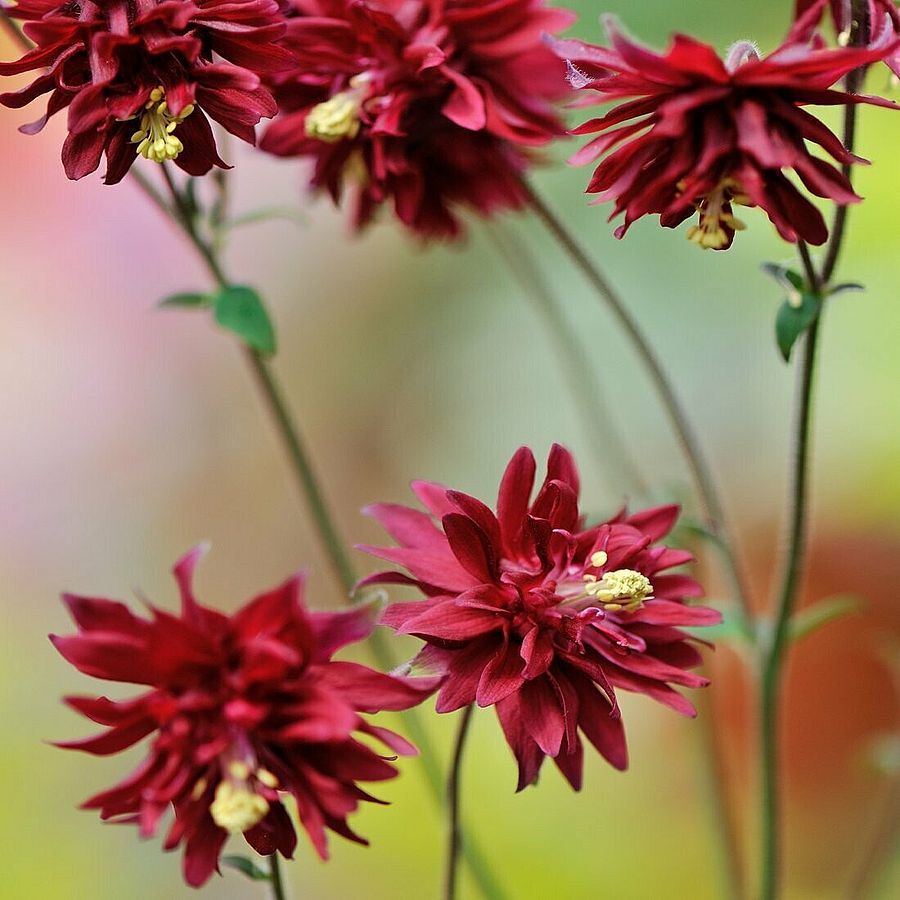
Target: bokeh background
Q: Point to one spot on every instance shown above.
(129, 435)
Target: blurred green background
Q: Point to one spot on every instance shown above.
(130, 435)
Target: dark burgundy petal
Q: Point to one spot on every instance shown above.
(501, 676)
(527, 753)
(514, 497)
(471, 546)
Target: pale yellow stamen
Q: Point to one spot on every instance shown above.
(239, 769)
(599, 558)
(199, 789)
(710, 233)
(237, 808)
(156, 138)
(267, 778)
(621, 590)
(335, 119)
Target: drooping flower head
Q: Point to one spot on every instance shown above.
(880, 22)
(697, 134)
(242, 711)
(140, 77)
(430, 105)
(530, 611)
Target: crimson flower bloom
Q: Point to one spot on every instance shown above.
(430, 104)
(243, 709)
(141, 76)
(532, 612)
(697, 134)
(881, 23)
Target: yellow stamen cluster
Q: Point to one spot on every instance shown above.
(237, 807)
(620, 590)
(710, 233)
(338, 118)
(335, 119)
(156, 139)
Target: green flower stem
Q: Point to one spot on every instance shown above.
(275, 879)
(341, 567)
(584, 383)
(701, 474)
(774, 654)
(454, 836)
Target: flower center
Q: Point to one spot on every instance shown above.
(238, 805)
(338, 118)
(717, 222)
(619, 590)
(156, 139)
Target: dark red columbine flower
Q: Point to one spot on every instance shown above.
(697, 134)
(243, 710)
(429, 104)
(532, 612)
(141, 76)
(881, 22)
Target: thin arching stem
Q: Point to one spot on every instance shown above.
(701, 474)
(454, 826)
(341, 567)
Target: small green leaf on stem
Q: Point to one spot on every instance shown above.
(812, 618)
(795, 317)
(848, 287)
(187, 300)
(787, 279)
(246, 867)
(239, 309)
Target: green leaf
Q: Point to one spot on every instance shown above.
(787, 278)
(268, 214)
(239, 309)
(246, 866)
(812, 618)
(794, 317)
(187, 300)
(848, 287)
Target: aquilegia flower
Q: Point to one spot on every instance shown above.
(428, 104)
(881, 23)
(242, 710)
(140, 77)
(697, 135)
(543, 618)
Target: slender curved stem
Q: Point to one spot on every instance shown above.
(341, 567)
(774, 655)
(275, 879)
(700, 472)
(584, 383)
(454, 833)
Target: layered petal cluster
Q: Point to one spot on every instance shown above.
(693, 134)
(530, 611)
(430, 105)
(140, 77)
(242, 711)
(881, 23)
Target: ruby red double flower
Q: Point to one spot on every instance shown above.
(431, 105)
(698, 134)
(543, 618)
(243, 710)
(880, 23)
(140, 77)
